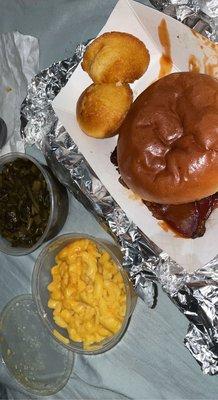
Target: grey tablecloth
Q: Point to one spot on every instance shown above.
(150, 362)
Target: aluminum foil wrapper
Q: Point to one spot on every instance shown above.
(201, 15)
(195, 295)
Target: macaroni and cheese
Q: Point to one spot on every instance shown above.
(87, 293)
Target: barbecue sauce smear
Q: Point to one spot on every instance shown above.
(166, 62)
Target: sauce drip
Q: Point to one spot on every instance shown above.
(205, 41)
(210, 68)
(210, 60)
(193, 64)
(165, 60)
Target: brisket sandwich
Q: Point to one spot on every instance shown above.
(167, 150)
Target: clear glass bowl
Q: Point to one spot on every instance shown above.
(59, 206)
(42, 277)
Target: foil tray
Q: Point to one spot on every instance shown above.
(195, 295)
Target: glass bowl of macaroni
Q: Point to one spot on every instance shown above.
(82, 293)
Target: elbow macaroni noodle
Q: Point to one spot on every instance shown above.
(87, 293)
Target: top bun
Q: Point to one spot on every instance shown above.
(168, 143)
(116, 57)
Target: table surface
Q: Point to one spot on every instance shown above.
(151, 361)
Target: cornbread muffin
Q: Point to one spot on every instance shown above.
(116, 57)
(102, 108)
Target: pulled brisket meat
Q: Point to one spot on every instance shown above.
(188, 220)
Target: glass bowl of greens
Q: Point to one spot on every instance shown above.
(33, 204)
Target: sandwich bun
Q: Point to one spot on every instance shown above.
(168, 143)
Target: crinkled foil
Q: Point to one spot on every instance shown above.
(195, 295)
(201, 15)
